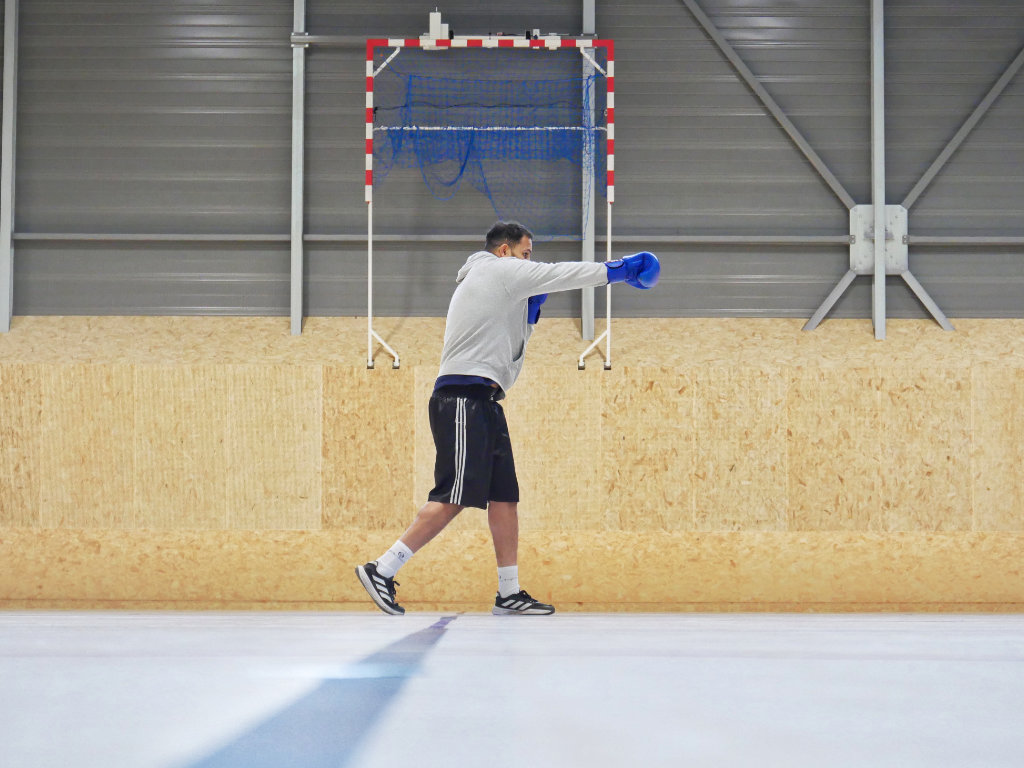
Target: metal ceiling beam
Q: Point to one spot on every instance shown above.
(338, 237)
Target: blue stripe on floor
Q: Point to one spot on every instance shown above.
(325, 727)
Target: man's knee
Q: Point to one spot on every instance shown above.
(440, 510)
(504, 507)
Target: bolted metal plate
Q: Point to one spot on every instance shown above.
(862, 240)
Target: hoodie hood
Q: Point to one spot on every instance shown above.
(471, 262)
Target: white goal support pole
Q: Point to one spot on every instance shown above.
(606, 334)
(371, 334)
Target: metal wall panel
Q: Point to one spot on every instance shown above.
(89, 278)
(698, 154)
(941, 59)
(153, 117)
(174, 117)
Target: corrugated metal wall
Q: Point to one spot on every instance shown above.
(940, 63)
(153, 118)
(174, 118)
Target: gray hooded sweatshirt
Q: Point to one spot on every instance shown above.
(486, 331)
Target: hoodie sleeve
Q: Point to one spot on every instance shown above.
(529, 278)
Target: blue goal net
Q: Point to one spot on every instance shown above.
(525, 127)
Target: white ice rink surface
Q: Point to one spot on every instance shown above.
(117, 690)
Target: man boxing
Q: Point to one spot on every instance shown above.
(497, 302)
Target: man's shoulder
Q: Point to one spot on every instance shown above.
(524, 265)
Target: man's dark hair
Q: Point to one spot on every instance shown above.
(510, 232)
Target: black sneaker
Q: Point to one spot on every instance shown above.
(380, 588)
(520, 603)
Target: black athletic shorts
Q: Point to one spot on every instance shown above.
(474, 461)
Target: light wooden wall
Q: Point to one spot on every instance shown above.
(720, 464)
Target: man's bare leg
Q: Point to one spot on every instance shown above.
(430, 521)
(503, 517)
(377, 577)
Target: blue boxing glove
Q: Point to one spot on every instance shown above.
(533, 307)
(640, 270)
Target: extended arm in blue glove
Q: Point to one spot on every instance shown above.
(533, 307)
(640, 270)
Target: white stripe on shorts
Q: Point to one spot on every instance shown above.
(460, 450)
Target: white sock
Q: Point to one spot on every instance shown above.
(389, 563)
(508, 580)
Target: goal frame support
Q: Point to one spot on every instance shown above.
(546, 42)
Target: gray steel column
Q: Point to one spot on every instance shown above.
(878, 163)
(589, 212)
(298, 157)
(7, 151)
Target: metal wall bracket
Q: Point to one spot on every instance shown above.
(862, 240)
(862, 260)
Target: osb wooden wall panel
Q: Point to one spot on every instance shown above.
(741, 464)
(573, 569)
(925, 470)
(217, 340)
(21, 407)
(87, 447)
(998, 481)
(235, 446)
(677, 342)
(560, 457)
(751, 453)
(368, 447)
(182, 454)
(274, 439)
(834, 444)
(756, 426)
(649, 444)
